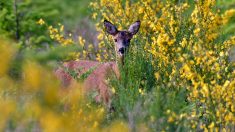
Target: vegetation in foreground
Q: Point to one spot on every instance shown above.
(178, 75)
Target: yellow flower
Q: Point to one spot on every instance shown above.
(6, 54)
(33, 74)
(61, 28)
(113, 90)
(51, 122)
(41, 22)
(197, 31)
(157, 75)
(211, 126)
(141, 10)
(141, 91)
(170, 119)
(118, 126)
(94, 15)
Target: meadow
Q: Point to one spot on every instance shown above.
(179, 73)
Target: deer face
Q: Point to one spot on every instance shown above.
(121, 38)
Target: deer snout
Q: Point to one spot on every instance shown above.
(121, 50)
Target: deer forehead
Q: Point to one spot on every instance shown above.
(123, 35)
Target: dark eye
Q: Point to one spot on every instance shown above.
(128, 40)
(115, 40)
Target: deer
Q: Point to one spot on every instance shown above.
(96, 80)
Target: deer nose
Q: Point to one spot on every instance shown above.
(121, 50)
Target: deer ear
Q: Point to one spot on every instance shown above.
(134, 28)
(110, 28)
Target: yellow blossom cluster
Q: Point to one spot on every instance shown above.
(184, 44)
(57, 33)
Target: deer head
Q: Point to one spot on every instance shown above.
(121, 38)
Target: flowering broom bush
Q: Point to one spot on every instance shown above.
(183, 45)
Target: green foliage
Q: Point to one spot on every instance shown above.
(19, 19)
(7, 18)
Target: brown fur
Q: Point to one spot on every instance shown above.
(123, 35)
(96, 81)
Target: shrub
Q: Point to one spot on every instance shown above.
(184, 46)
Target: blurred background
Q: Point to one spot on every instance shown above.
(19, 17)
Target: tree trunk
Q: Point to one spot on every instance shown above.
(17, 33)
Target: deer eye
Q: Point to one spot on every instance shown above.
(115, 40)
